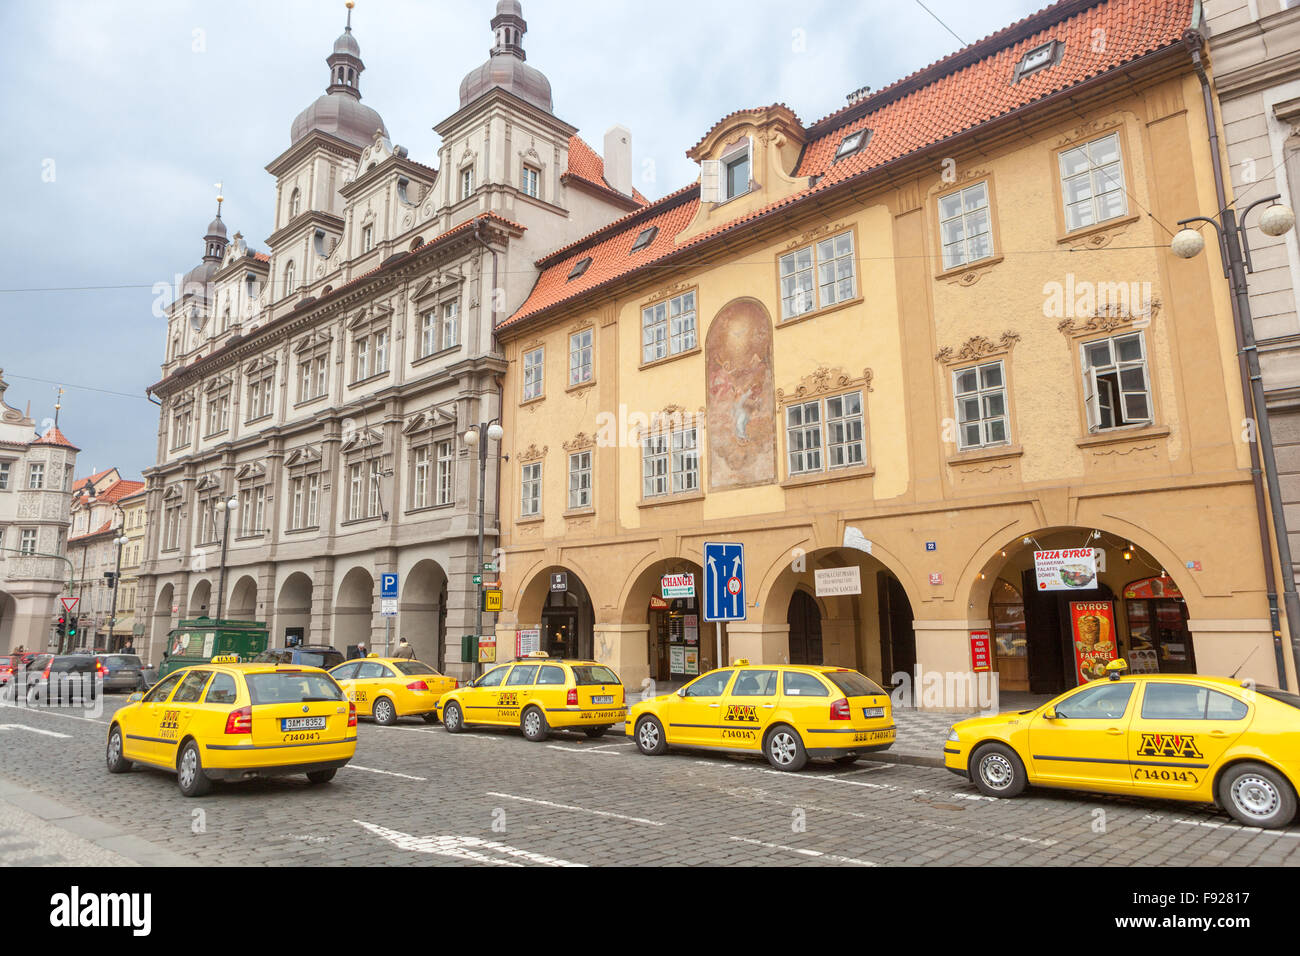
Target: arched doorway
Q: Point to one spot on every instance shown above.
(423, 612)
(293, 609)
(243, 600)
(1090, 597)
(354, 610)
(666, 597)
(897, 632)
(201, 600)
(805, 620)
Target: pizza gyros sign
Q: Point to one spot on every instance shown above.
(1066, 569)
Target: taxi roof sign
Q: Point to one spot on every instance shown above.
(1116, 667)
(225, 659)
(537, 654)
(740, 662)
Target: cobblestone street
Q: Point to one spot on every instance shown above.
(416, 795)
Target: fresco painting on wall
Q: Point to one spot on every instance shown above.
(741, 397)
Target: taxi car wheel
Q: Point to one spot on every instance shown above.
(997, 771)
(533, 724)
(322, 776)
(784, 749)
(189, 772)
(452, 721)
(595, 731)
(384, 712)
(116, 762)
(650, 737)
(1257, 796)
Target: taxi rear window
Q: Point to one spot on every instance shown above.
(291, 688)
(1281, 696)
(854, 684)
(413, 668)
(584, 674)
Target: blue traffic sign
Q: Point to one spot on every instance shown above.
(724, 581)
(388, 585)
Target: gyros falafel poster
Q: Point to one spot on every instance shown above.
(1066, 569)
(1092, 624)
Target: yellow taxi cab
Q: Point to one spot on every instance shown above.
(386, 688)
(538, 694)
(1174, 737)
(230, 721)
(789, 713)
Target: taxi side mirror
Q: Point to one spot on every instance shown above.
(135, 698)
(1051, 714)
(681, 692)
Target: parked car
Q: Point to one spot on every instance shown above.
(7, 665)
(124, 672)
(63, 678)
(308, 655)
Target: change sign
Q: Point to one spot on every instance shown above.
(677, 586)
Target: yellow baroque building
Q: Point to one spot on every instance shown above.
(906, 346)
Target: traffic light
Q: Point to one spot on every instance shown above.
(110, 578)
(61, 626)
(72, 627)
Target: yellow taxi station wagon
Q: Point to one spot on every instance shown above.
(232, 721)
(538, 694)
(1194, 738)
(387, 688)
(788, 713)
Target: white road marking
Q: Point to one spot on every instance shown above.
(582, 750)
(52, 713)
(35, 730)
(426, 730)
(387, 773)
(839, 778)
(463, 848)
(1228, 825)
(803, 852)
(565, 806)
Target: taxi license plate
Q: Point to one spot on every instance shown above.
(873, 712)
(602, 700)
(302, 723)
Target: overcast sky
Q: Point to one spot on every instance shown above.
(119, 118)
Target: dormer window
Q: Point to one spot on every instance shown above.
(727, 177)
(852, 143)
(645, 237)
(579, 268)
(736, 168)
(1039, 58)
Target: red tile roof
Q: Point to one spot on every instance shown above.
(90, 534)
(55, 437)
(91, 480)
(585, 163)
(964, 90)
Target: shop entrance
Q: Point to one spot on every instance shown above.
(897, 631)
(675, 638)
(805, 620)
(568, 620)
(1159, 641)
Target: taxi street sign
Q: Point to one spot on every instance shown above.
(724, 576)
(492, 600)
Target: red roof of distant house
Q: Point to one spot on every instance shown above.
(107, 526)
(113, 493)
(91, 480)
(964, 90)
(55, 437)
(586, 163)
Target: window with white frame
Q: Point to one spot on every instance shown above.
(530, 182)
(171, 537)
(965, 228)
(579, 480)
(818, 276)
(361, 359)
(533, 368)
(295, 203)
(1116, 387)
(313, 376)
(428, 333)
(580, 357)
(182, 423)
(252, 511)
(290, 285)
(370, 352)
(825, 434)
(421, 474)
(356, 490)
(449, 334)
(367, 239)
(304, 501)
(670, 463)
(466, 182)
(530, 489)
(736, 171)
(1092, 182)
(28, 542)
(4, 475)
(35, 476)
(208, 518)
(218, 413)
(261, 391)
(445, 452)
(980, 395)
(668, 328)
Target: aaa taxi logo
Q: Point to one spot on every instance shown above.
(741, 712)
(1169, 745)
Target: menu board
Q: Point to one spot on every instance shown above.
(1092, 625)
(692, 661)
(691, 628)
(677, 659)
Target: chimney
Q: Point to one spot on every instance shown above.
(618, 159)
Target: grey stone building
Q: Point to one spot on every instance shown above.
(327, 384)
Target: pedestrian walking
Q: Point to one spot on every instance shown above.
(361, 650)
(405, 650)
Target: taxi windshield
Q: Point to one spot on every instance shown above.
(593, 674)
(412, 668)
(291, 688)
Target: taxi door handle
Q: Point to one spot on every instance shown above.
(713, 705)
(1218, 733)
(1114, 731)
(768, 706)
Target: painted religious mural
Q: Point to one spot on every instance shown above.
(741, 397)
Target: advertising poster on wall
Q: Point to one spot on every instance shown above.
(677, 659)
(691, 628)
(981, 651)
(1066, 569)
(692, 661)
(527, 641)
(1092, 625)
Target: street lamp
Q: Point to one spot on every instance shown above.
(121, 541)
(1234, 249)
(229, 506)
(472, 438)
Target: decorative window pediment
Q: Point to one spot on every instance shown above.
(313, 340)
(218, 383)
(260, 364)
(251, 471)
(173, 494)
(439, 284)
(977, 348)
(362, 438)
(434, 418)
(207, 483)
(303, 457)
(369, 317)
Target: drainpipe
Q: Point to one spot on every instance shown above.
(1193, 40)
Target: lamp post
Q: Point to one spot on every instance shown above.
(229, 506)
(1234, 250)
(121, 540)
(473, 440)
